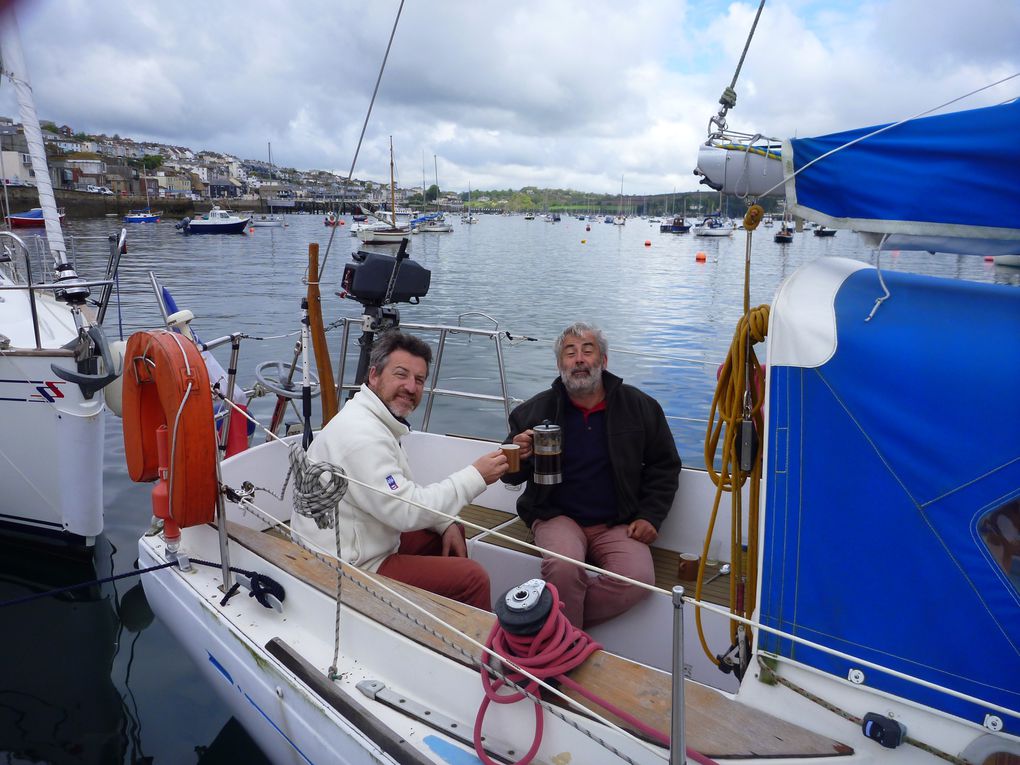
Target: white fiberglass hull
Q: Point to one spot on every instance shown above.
(51, 450)
(383, 236)
(51, 443)
(700, 231)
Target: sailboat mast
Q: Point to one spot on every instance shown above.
(15, 70)
(435, 163)
(393, 190)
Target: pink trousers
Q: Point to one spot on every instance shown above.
(419, 561)
(590, 600)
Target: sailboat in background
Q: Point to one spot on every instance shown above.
(271, 220)
(392, 234)
(146, 215)
(620, 219)
(431, 223)
(677, 224)
(468, 217)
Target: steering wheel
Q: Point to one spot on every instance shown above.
(272, 375)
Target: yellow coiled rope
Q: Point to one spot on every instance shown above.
(739, 396)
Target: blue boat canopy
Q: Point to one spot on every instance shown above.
(892, 475)
(953, 179)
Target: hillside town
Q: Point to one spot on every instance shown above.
(115, 165)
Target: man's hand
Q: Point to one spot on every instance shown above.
(526, 441)
(492, 466)
(454, 545)
(642, 531)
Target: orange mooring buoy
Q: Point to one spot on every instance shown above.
(701, 257)
(648, 242)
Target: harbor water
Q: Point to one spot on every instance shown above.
(87, 676)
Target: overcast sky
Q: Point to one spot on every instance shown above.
(556, 93)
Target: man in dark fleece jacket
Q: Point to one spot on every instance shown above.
(620, 473)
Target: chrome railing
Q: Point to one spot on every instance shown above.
(433, 390)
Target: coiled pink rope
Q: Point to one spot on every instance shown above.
(558, 648)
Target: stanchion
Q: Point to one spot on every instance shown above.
(677, 739)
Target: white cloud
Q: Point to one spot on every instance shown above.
(568, 94)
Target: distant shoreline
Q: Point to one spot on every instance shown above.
(81, 204)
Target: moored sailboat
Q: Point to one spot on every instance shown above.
(391, 234)
(270, 219)
(55, 359)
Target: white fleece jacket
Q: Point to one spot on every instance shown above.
(364, 439)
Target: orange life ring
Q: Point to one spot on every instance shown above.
(159, 368)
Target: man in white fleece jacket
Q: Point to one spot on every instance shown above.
(380, 531)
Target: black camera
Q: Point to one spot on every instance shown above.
(368, 279)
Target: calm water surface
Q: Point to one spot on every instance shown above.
(89, 677)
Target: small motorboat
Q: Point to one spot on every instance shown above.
(823, 231)
(31, 219)
(678, 225)
(216, 221)
(783, 236)
(331, 219)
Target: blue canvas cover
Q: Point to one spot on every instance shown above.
(950, 175)
(882, 460)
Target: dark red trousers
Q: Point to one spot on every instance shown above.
(420, 562)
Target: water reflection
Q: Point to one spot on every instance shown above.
(58, 702)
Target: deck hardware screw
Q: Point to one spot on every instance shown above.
(856, 676)
(993, 723)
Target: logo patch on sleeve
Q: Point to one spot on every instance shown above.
(392, 484)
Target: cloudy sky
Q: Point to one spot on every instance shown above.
(557, 93)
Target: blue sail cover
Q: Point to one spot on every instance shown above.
(952, 175)
(883, 457)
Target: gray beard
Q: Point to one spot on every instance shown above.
(582, 387)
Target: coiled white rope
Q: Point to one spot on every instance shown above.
(318, 487)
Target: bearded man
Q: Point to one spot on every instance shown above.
(384, 528)
(620, 472)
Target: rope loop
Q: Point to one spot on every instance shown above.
(557, 648)
(753, 217)
(318, 487)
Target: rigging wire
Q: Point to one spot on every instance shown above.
(728, 99)
(364, 127)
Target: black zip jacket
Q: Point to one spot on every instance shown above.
(646, 465)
